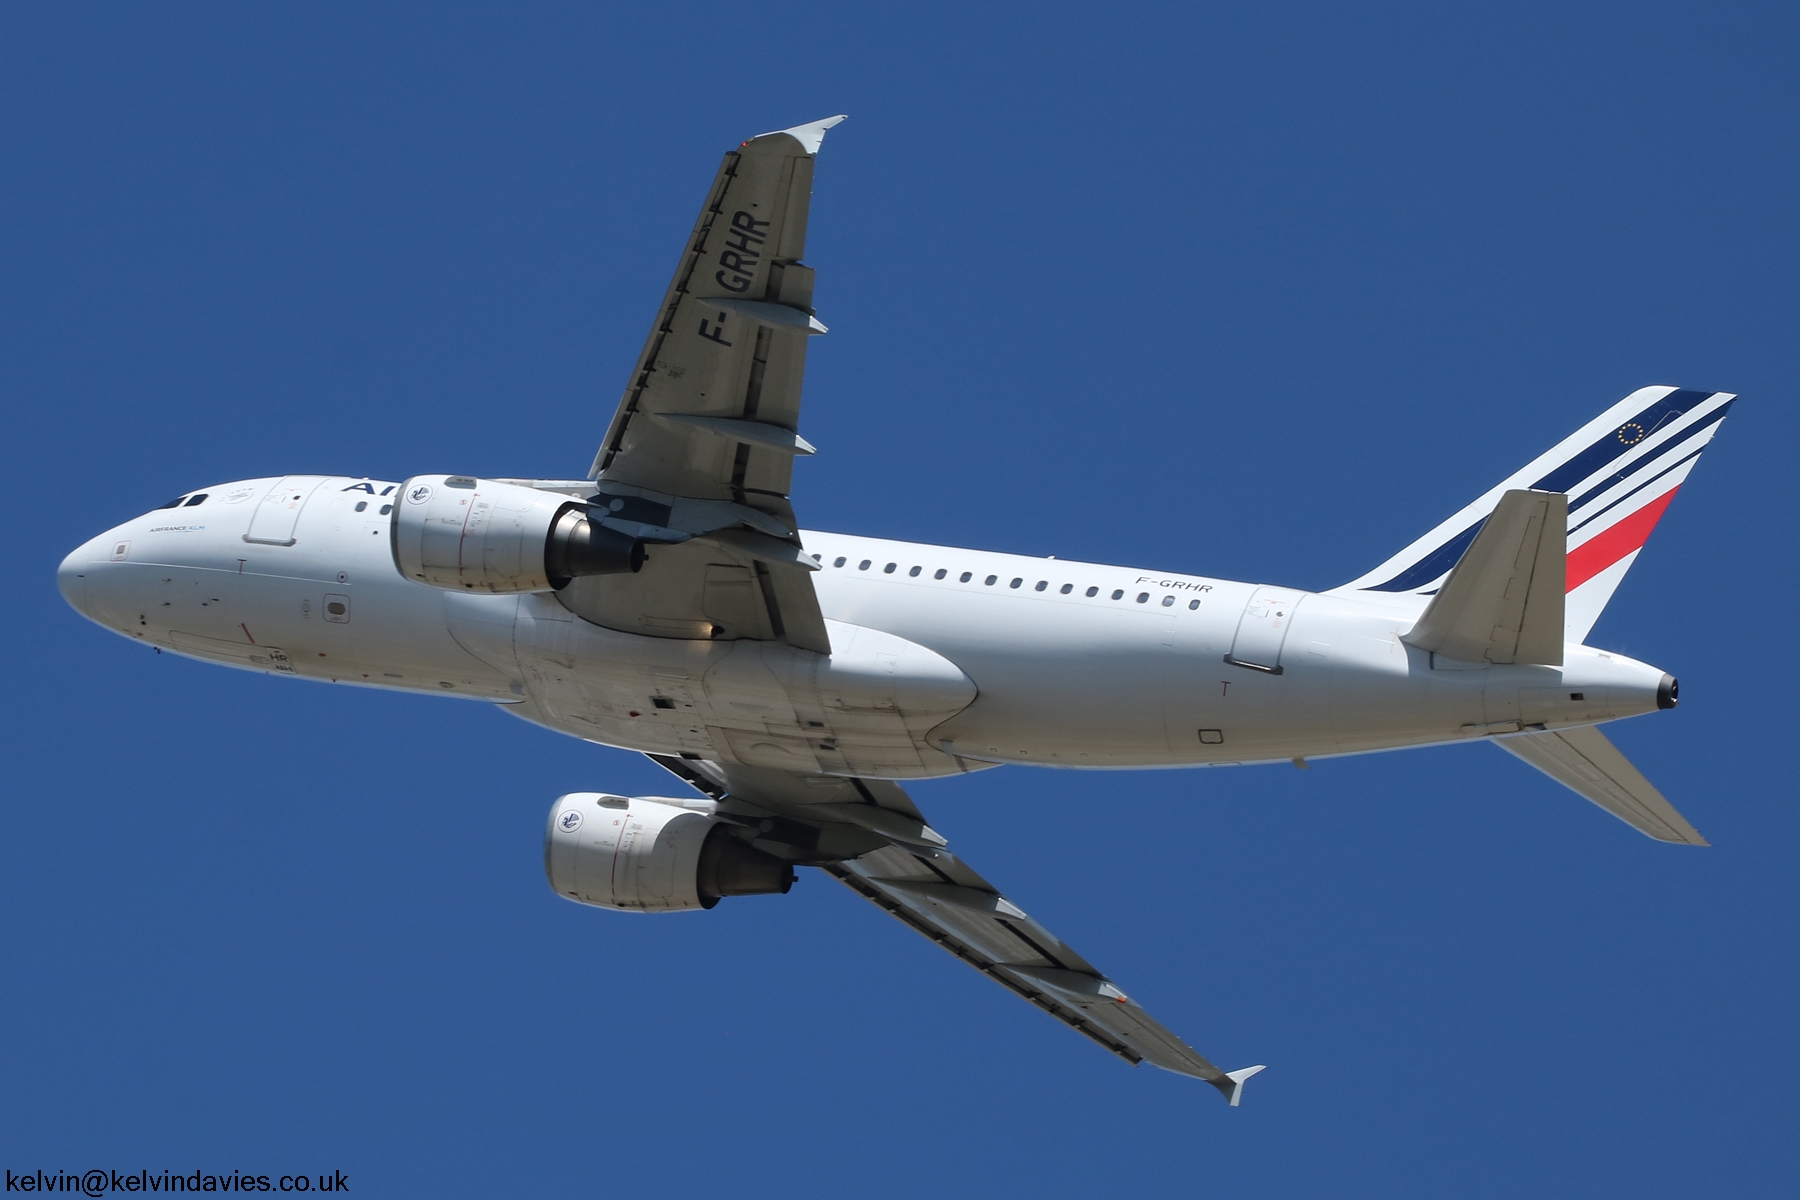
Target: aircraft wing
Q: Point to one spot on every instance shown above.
(703, 444)
(868, 834)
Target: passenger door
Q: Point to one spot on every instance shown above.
(272, 524)
(1263, 628)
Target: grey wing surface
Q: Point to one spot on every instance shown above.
(699, 457)
(870, 836)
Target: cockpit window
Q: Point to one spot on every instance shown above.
(175, 503)
(199, 499)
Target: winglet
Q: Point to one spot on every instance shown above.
(1235, 1091)
(809, 136)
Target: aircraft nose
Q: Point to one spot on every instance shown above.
(75, 574)
(70, 579)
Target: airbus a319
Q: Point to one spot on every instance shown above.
(791, 680)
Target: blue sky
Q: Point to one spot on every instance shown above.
(1259, 291)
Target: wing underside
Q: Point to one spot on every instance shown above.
(870, 837)
(699, 456)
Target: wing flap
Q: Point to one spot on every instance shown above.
(1584, 761)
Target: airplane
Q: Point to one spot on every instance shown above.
(671, 604)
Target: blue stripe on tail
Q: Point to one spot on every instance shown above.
(1433, 564)
(1611, 446)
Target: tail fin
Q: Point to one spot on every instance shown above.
(1620, 471)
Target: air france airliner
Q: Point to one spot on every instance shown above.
(790, 680)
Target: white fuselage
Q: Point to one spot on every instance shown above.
(934, 669)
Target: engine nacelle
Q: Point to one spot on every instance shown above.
(651, 854)
(467, 534)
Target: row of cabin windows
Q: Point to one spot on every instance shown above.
(1018, 581)
(385, 509)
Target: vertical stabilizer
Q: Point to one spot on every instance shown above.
(1619, 471)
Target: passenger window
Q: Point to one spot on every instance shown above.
(1015, 583)
(1067, 588)
(200, 499)
(914, 573)
(863, 565)
(1168, 600)
(838, 561)
(1118, 593)
(965, 577)
(889, 569)
(990, 580)
(1143, 596)
(386, 509)
(1094, 591)
(361, 504)
(1193, 604)
(940, 573)
(1042, 584)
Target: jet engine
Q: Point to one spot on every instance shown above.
(651, 854)
(467, 534)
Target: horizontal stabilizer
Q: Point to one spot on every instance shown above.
(1503, 602)
(1584, 761)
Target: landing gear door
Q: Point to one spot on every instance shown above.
(1263, 627)
(273, 522)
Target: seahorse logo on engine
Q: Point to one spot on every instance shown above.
(570, 821)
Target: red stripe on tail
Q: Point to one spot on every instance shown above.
(1609, 546)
